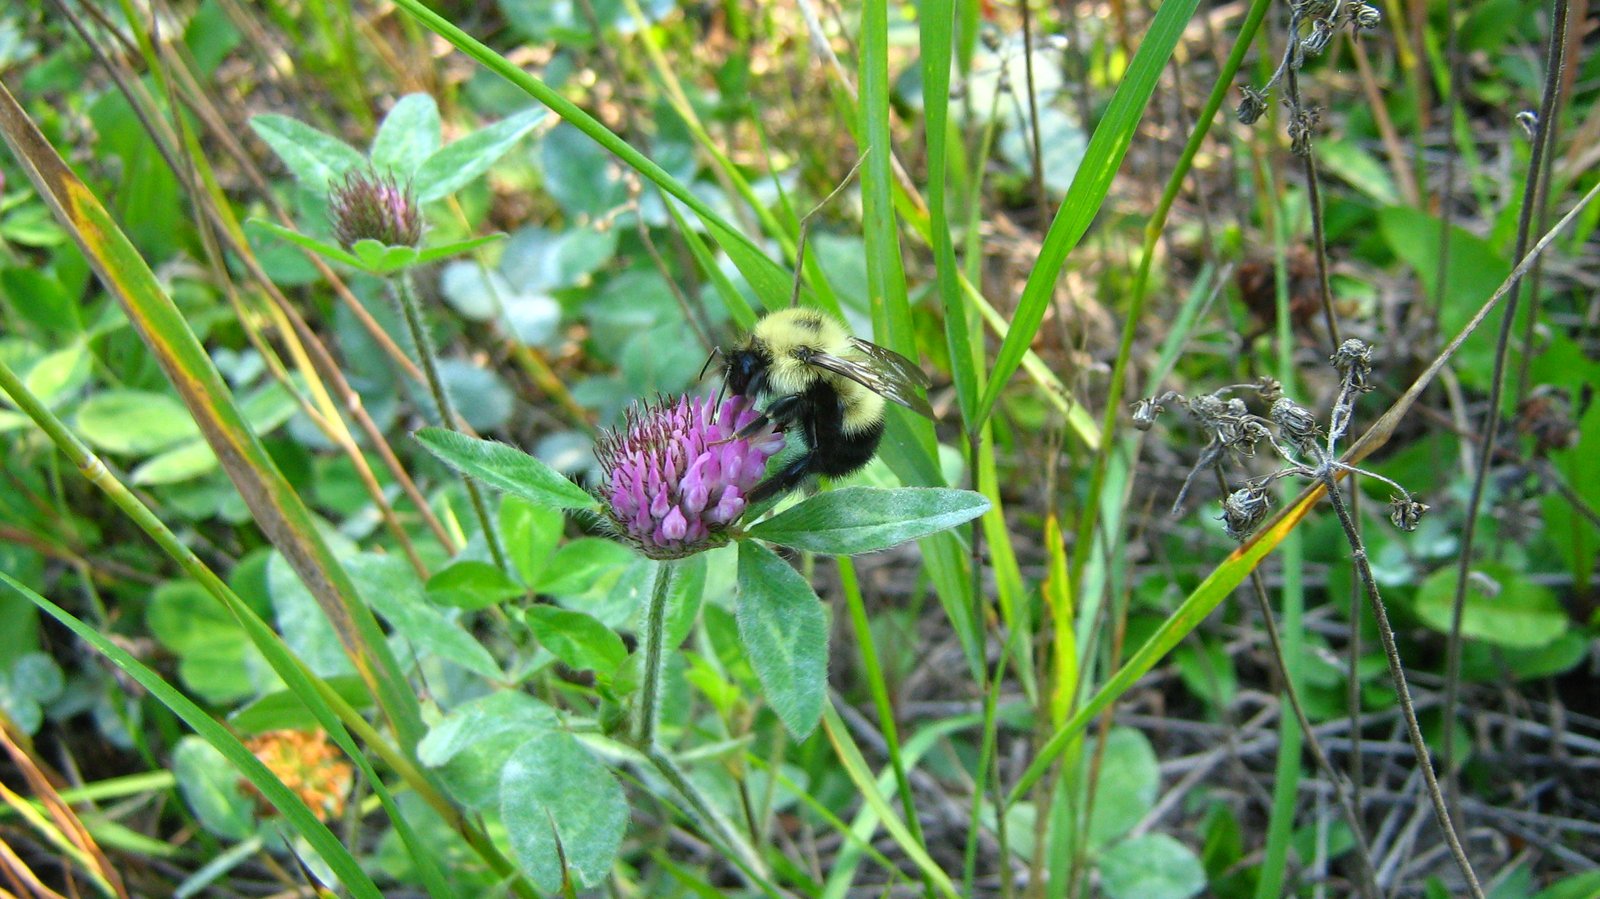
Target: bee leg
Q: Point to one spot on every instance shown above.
(779, 413)
(785, 479)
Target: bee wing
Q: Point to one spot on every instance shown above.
(893, 361)
(886, 373)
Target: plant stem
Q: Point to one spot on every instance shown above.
(447, 413)
(1397, 674)
(717, 824)
(1531, 199)
(654, 633)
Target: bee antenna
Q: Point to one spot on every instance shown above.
(805, 227)
(715, 352)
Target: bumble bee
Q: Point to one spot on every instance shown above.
(830, 384)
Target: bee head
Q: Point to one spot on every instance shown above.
(745, 370)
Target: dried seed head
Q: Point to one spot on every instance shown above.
(1269, 388)
(1207, 410)
(1252, 105)
(1529, 120)
(1298, 426)
(1546, 416)
(1353, 359)
(1317, 41)
(1302, 126)
(1244, 509)
(1405, 513)
(369, 206)
(1145, 412)
(1367, 17)
(1244, 435)
(675, 476)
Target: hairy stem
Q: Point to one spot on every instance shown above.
(655, 619)
(447, 414)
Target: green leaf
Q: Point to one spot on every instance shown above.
(578, 640)
(213, 790)
(134, 421)
(410, 133)
(785, 634)
(1501, 607)
(305, 242)
(586, 567)
(1154, 866)
(867, 519)
(180, 463)
(59, 374)
(286, 710)
(314, 157)
(455, 248)
(455, 166)
(505, 468)
(392, 589)
(213, 651)
(559, 804)
(472, 585)
(1129, 775)
(469, 747)
(531, 532)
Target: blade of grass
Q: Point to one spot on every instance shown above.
(1086, 193)
(856, 767)
(936, 24)
(1194, 609)
(277, 508)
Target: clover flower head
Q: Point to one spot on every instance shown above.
(369, 206)
(676, 477)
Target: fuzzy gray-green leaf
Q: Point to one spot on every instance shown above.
(505, 468)
(867, 519)
(785, 634)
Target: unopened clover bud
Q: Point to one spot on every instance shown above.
(1252, 105)
(1298, 426)
(369, 206)
(1405, 513)
(1244, 509)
